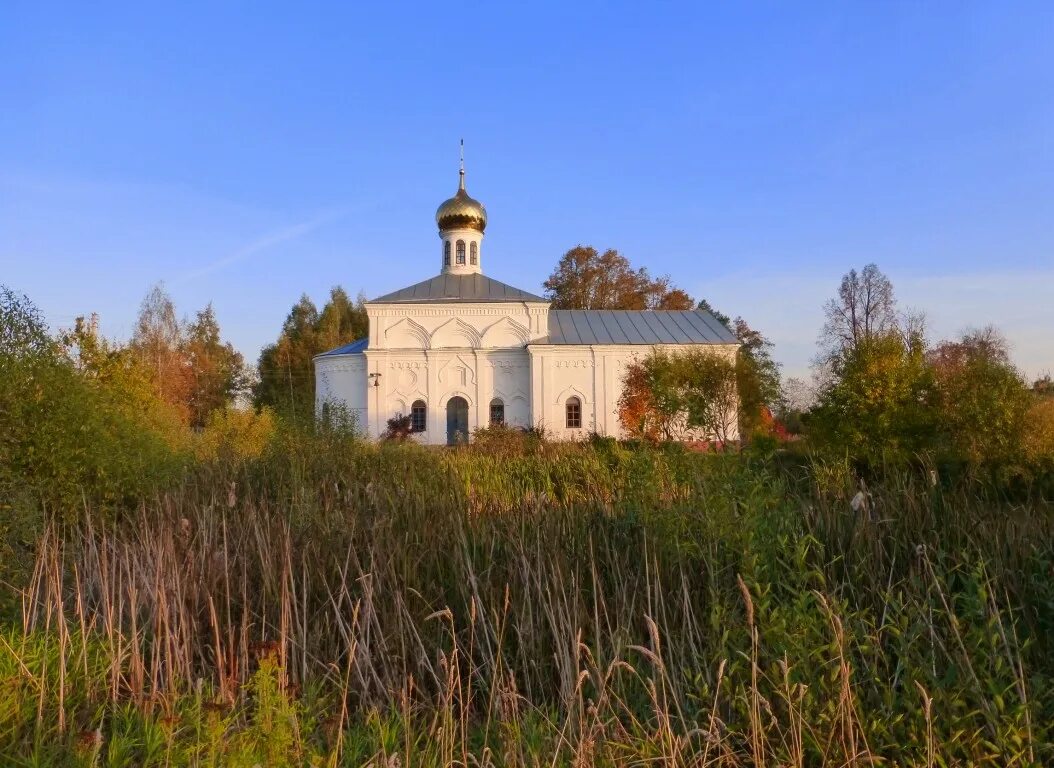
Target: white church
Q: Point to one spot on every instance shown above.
(462, 350)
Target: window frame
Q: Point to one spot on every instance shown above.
(497, 404)
(419, 416)
(459, 251)
(473, 253)
(446, 253)
(573, 413)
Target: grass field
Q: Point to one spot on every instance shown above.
(334, 603)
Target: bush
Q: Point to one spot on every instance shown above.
(238, 434)
(506, 439)
(75, 427)
(878, 404)
(399, 427)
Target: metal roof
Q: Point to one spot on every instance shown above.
(621, 326)
(354, 348)
(448, 287)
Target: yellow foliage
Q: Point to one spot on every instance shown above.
(1038, 437)
(236, 433)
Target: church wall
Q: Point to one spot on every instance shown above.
(437, 375)
(593, 374)
(478, 352)
(341, 380)
(434, 352)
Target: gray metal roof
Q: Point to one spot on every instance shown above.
(466, 288)
(354, 348)
(621, 326)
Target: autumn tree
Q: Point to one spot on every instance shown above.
(587, 279)
(80, 417)
(982, 400)
(190, 366)
(217, 370)
(156, 342)
(670, 396)
(648, 408)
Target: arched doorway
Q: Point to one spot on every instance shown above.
(456, 421)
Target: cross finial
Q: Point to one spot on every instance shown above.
(461, 173)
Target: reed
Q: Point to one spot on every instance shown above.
(346, 604)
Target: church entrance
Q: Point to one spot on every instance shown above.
(456, 421)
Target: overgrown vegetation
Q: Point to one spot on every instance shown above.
(261, 591)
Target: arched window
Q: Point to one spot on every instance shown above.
(446, 253)
(418, 416)
(460, 251)
(497, 412)
(574, 413)
(473, 254)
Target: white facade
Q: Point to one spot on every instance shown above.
(460, 344)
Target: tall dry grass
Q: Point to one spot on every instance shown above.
(550, 605)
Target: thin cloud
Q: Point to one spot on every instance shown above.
(268, 240)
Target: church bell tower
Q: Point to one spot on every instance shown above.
(461, 221)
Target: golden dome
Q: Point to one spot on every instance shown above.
(461, 211)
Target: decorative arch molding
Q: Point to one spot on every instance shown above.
(570, 392)
(506, 332)
(409, 395)
(512, 392)
(457, 372)
(406, 334)
(453, 331)
(446, 398)
(406, 378)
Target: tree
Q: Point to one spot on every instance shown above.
(79, 417)
(586, 279)
(23, 332)
(982, 400)
(217, 370)
(757, 378)
(757, 373)
(341, 320)
(708, 385)
(798, 398)
(878, 403)
(286, 372)
(648, 408)
(157, 342)
(669, 396)
(724, 319)
(865, 308)
(286, 368)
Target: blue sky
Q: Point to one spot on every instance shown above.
(245, 153)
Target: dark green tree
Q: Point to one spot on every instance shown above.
(286, 370)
